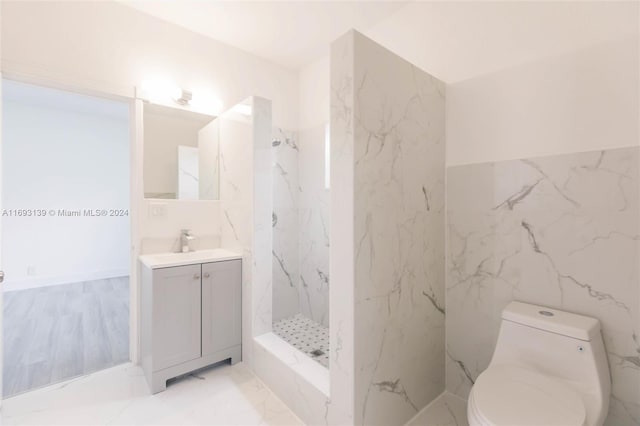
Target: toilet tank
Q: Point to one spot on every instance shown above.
(566, 346)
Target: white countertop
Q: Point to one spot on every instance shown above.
(167, 260)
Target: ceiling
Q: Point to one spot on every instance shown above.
(289, 33)
(453, 40)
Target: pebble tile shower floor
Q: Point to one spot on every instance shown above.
(306, 335)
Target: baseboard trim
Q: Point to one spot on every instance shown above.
(38, 282)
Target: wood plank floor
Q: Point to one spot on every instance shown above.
(55, 333)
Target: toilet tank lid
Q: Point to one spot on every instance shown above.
(552, 320)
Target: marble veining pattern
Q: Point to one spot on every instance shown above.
(306, 335)
(246, 211)
(398, 189)
(262, 285)
(558, 231)
(339, 409)
(314, 227)
(446, 410)
(286, 276)
(300, 223)
(236, 199)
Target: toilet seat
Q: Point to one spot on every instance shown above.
(509, 395)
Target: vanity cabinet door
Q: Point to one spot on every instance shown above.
(176, 315)
(221, 305)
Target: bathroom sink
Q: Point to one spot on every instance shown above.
(167, 260)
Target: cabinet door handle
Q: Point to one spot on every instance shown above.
(206, 275)
(196, 277)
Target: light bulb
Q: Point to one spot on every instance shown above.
(206, 102)
(160, 89)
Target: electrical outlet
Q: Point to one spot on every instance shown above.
(31, 270)
(158, 210)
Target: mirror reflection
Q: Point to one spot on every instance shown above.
(180, 154)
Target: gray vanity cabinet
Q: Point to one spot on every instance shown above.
(177, 315)
(190, 318)
(221, 307)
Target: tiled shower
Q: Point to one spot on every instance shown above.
(300, 252)
(559, 230)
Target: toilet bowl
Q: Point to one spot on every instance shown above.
(549, 368)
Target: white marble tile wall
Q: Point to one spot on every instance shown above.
(262, 281)
(246, 208)
(286, 275)
(399, 160)
(280, 371)
(236, 202)
(559, 231)
(246, 150)
(300, 225)
(314, 226)
(340, 406)
(388, 121)
(446, 410)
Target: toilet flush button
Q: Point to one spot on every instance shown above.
(546, 313)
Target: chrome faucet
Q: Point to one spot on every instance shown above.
(185, 238)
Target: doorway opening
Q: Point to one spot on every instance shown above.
(65, 235)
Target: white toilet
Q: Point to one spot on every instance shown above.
(549, 368)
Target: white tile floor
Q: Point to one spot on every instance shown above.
(306, 335)
(446, 410)
(222, 395)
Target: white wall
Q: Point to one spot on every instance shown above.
(526, 78)
(460, 40)
(314, 94)
(580, 101)
(63, 151)
(162, 221)
(111, 48)
(564, 72)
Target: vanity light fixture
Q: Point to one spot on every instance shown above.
(164, 92)
(160, 90)
(184, 98)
